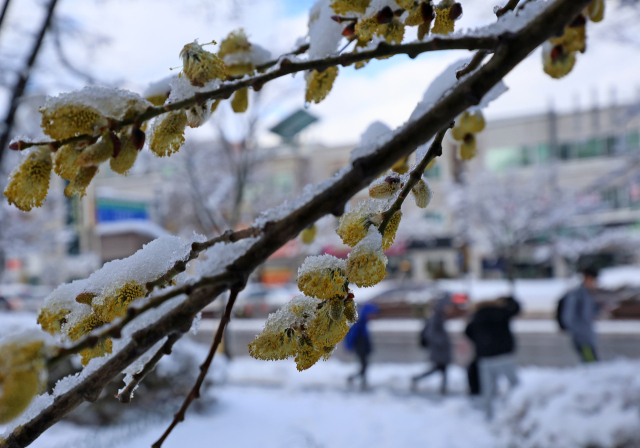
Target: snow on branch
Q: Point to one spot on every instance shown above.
(278, 228)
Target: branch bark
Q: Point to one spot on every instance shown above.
(467, 92)
(18, 90)
(286, 68)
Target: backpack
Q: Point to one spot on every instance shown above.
(561, 304)
(424, 335)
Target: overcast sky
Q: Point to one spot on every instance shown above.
(134, 42)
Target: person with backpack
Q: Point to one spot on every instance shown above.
(489, 330)
(434, 337)
(359, 341)
(576, 314)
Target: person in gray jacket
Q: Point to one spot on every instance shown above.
(578, 313)
(439, 343)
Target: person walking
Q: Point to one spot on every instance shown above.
(578, 313)
(359, 341)
(438, 341)
(490, 332)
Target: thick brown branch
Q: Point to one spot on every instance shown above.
(126, 394)
(286, 68)
(204, 368)
(435, 150)
(466, 93)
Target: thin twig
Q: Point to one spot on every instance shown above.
(204, 368)
(3, 13)
(286, 68)
(23, 79)
(473, 64)
(435, 150)
(510, 6)
(126, 394)
(515, 47)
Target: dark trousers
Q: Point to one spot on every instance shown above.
(474, 378)
(362, 373)
(436, 368)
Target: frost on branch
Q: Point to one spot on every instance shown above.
(74, 310)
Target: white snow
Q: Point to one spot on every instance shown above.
(142, 227)
(160, 87)
(317, 263)
(257, 55)
(324, 33)
(221, 255)
(376, 135)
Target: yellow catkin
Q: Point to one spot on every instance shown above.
(29, 182)
(366, 28)
(201, 66)
(270, 346)
(385, 188)
(115, 304)
(468, 148)
(102, 348)
(406, 4)
(83, 326)
(70, 120)
(352, 227)
(237, 41)
(309, 234)
(308, 354)
(557, 63)
(574, 38)
(401, 166)
(366, 268)
(443, 24)
(322, 283)
(319, 84)
(240, 101)
(127, 156)
(392, 32)
(350, 311)
(329, 326)
(51, 321)
(421, 194)
(78, 186)
(390, 231)
(168, 136)
(157, 100)
(64, 161)
(471, 122)
(595, 10)
(415, 17)
(346, 6)
(97, 153)
(23, 375)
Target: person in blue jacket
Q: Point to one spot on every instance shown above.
(359, 342)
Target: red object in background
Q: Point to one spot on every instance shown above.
(459, 298)
(13, 264)
(289, 250)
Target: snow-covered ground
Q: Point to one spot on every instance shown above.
(270, 404)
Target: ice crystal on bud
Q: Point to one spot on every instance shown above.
(347, 6)
(127, 156)
(385, 187)
(201, 66)
(322, 277)
(319, 84)
(366, 265)
(29, 182)
(23, 374)
(422, 193)
(78, 185)
(309, 234)
(167, 133)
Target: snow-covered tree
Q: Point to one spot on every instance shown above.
(139, 306)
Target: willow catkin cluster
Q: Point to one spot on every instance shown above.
(465, 130)
(23, 374)
(201, 66)
(559, 53)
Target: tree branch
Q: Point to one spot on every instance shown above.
(3, 13)
(125, 395)
(286, 68)
(473, 64)
(24, 74)
(435, 150)
(204, 368)
(467, 92)
(510, 6)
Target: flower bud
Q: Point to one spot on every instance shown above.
(595, 10)
(445, 17)
(78, 186)
(471, 122)
(329, 326)
(350, 312)
(240, 101)
(69, 120)
(319, 84)
(422, 194)
(385, 188)
(347, 6)
(322, 277)
(138, 137)
(390, 230)
(366, 265)
(94, 155)
(201, 66)
(385, 15)
(29, 182)
(468, 147)
(401, 166)
(127, 157)
(308, 234)
(556, 61)
(167, 133)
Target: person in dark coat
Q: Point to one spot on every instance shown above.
(578, 314)
(439, 342)
(490, 332)
(359, 341)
